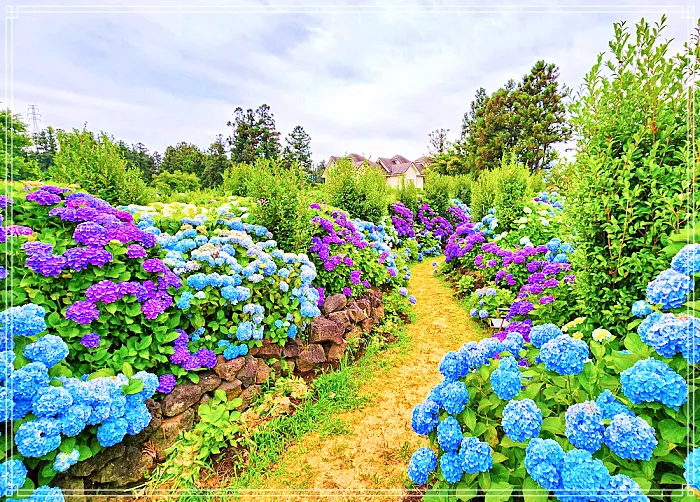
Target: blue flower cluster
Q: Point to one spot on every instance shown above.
(564, 354)
(584, 426)
(543, 461)
(669, 289)
(631, 438)
(610, 406)
(424, 418)
(651, 380)
(641, 308)
(541, 334)
(582, 476)
(423, 462)
(687, 260)
(692, 470)
(505, 380)
(475, 455)
(449, 434)
(522, 420)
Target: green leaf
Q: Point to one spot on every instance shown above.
(668, 478)
(532, 492)
(133, 387)
(672, 431)
(498, 492)
(127, 370)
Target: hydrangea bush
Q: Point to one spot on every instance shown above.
(565, 412)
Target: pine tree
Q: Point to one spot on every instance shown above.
(298, 149)
(254, 135)
(217, 161)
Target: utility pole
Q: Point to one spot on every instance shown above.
(35, 116)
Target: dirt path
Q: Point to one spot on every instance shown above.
(372, 457)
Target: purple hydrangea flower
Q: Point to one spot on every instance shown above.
(166, 383)
(82, 312)
(90, 341)
(135, 251)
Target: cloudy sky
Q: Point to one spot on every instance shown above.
(372, 78)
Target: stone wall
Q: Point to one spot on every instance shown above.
(342, 323)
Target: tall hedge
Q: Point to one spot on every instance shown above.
(631, 183)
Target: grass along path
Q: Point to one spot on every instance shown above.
(367, 449)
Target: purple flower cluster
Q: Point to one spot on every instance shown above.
(203, 358)
(43, 197)
(403, 220)
(462, 241)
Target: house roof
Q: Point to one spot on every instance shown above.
(393, 166)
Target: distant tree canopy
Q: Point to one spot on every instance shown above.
(183, 157)
(526, 119)
(15, 141)
(253, 135)
(298, 149)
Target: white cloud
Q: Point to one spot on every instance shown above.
(374, 82)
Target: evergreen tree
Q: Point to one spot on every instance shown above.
(217, 161)
(183, 157)
(298, 149)
(45, 150)
(438, 142)
(254, 135)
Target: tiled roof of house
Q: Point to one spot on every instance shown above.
(394, 166)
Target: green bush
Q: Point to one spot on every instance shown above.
(97, 166)
(282, 203)
(437, 192)
(361, 191)
(167, 183)
(630, 184)
(512, 191)
(461, 188)
(407, 194)
(235, 179)
(483, 194)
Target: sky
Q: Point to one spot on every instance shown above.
(373, 78)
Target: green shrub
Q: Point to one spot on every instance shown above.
(361, 191)
(167, 183)
(630, 186)
(461, 188)
(235, 179)
(483, 194)
(282, 203)
(407, 194)
(437, 192)
(97, 166)
(512, 191)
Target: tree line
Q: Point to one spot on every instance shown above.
(253, 135)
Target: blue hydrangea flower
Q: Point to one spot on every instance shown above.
(522, 420)
(622, 489)
(23, 320)
(73, 420)
(667, 335)
(112, 431)
(564, 355)
(453, 397)
(505, 380)
(641, 308)
(27, 380)
(475, 455)
(610, 406)
(7, 358)
(582, 476)
(483, 314)
(449, 434)
(36, 438)
(49, 401)
(491, 347)
(584, 426)
(453, 366)
(669, 289)
(474, 312)
(13, 474)
(473, 355)
(423, 462)
(424, 418)
(544, 459)
(687, 260)
(49, 349)
(651, 380)
(631, 438)
(451, 467)
(647, 323)
(64, 461)
(541, 334)
(150, 384)
(47, 494)
(691, 345)
(138, 417)
(513, 342)
(184, 302)
(692, 470)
